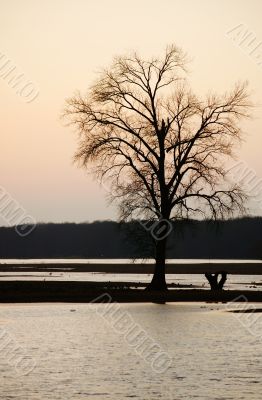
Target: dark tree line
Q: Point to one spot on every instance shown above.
(240, 238)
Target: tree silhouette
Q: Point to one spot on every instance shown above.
(159, 148)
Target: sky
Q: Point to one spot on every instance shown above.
(59, 45)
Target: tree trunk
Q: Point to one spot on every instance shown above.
(213, 280)
(158, 281)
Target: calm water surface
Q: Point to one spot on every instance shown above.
(79, 354)
(237, 282)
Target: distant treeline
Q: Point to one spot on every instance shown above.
(237, 238)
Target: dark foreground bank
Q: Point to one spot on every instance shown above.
(85, 292)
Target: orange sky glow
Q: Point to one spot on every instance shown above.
(59, 45)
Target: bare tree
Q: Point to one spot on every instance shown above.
(160, 149)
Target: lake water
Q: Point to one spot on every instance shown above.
(237, 282)
(82, 351)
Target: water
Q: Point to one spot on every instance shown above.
(236, 282)
(79, 352)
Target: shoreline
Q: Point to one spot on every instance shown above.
(88, 292)
(232, 268)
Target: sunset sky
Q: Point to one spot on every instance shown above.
(59, 46)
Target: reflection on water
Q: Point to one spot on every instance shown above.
(79, 354)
